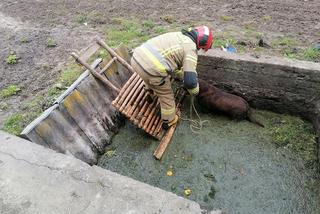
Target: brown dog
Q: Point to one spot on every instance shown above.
(214, 99)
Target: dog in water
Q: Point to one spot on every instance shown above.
(214, 99)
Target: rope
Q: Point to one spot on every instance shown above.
(195, 124)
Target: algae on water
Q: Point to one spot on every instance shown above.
(234, 166)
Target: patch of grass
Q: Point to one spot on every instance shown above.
(148, 24)
(284, 41)
(267, 18)
(218, 42)
(12, 59)
(69, 74)
(226, 18)
(81, 18)
(295, 134)
(65, 79)
(24, 40)
(4, 106)
(129, 32)
(312, 54)
(252, 33)
(96, 18)
(93, 17)
(290, 53)
(250, 25)
(100, 53)
(14, 124)
(34, 104)
(52, 95)
(159, 30)
(9, 91)
(51, 43)
(169, 19)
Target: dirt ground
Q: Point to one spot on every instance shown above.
(26, 26)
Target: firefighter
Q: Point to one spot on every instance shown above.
(166, 55)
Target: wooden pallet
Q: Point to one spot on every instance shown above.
(132, 103)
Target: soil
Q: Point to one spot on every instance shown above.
(26, 26)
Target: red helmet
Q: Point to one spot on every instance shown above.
(204, 37)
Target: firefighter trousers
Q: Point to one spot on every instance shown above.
(161, 86)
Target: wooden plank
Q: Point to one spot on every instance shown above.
(95, 73)
(114, 54)
(83, 76)
(158, 153)
(63, 135)
(89, 51)
(86, 116)
(123, 73)
(100, 99)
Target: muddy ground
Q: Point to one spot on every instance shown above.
(26, 26)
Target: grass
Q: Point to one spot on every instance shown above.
(14, 124)
(24, 40)
(129, 32)
(29, 111)
(51, 43)
(226, 18)
(12, 59)
(9, 91)
(93, 17)
(134, 32)
(159, 30)
(284, 41)
(267, 18)
(295, 134)
(81, 18)
(169, 19)
(4, 106)
(69, 74)
(65, 79)
(291, 53)
(312, 54)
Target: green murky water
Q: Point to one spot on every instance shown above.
(233, 166)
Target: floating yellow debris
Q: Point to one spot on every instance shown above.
(187, 192)
(110, 153)
(169, 173)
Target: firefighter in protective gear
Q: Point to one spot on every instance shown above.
(167, 55)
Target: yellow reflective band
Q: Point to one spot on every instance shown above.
(154, 60)
(170, 50)
(191, 59)
(178, 71)
(168, 111)
(194, 90)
